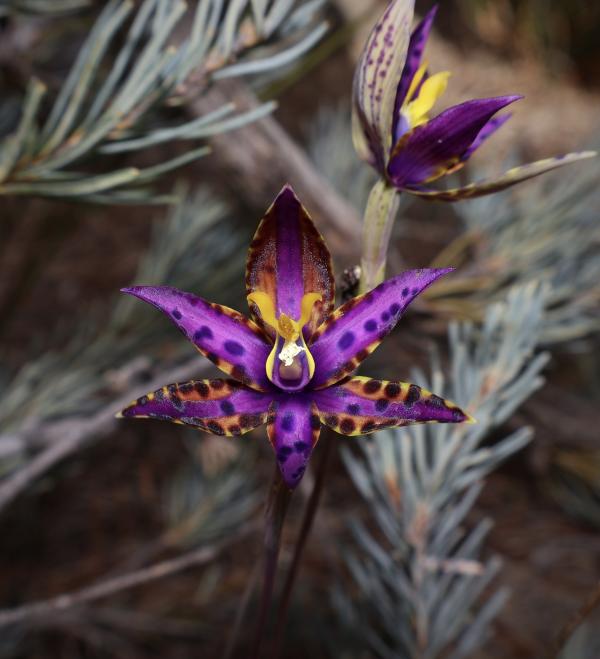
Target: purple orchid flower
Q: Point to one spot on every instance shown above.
(291, 366)
(393, 95)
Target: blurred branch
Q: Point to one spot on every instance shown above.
(260, 159)
(102, 114)
(56, 606)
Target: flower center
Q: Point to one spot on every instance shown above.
(421, 97)
(297, 364)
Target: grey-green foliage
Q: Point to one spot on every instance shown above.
(546, 231)
(195, 249)
(330, 148)
(202, 506)
(421, 575)
(103, 105)
(41, 7)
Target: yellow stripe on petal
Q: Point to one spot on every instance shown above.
(265, 306)
(306, 306)
(415, 82)
(417, 111)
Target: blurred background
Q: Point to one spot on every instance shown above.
(432, 543)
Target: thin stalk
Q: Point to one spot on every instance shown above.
(380, 213)
(277, 505)
(307, 522)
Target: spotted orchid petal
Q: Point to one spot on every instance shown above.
(293, 427)
(506, 180)
(362, 405)
(354, 330)
(437, 146)
(220, 407)
(376, 82)
(288, 261)
(416, 46)
(232, 342)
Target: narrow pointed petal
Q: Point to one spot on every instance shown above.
(362, 405)
(416, 46)
(220, 407)
(293, 429)
(288, 259)
(376, 80)
(354, 330)
(231, 341)
(508, 179)
(485, 133)
(437, 146)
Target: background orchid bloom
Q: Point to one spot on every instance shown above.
(392, 98)
(290, 367)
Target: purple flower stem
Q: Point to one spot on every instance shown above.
(307, 522)
(277, 505)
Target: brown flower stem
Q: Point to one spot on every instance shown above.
(307, 522)
(277, 505)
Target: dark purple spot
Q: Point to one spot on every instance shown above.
(283, 453)
(287, 423)
(413, 394)
(331, 420)
(227, 407)
(202, 389)
(234, 348)
(369, 298)
(176, 314)
(370, 325)
(353, 409)
(415, 291)
(301, 447)
(382, 404)
(347, 426)
(203, 332)
(346, 341)
(405, 292)
(369, 426)
(371, 386)
(436, 402)
(394, 308)
(217, 384)
(458, 415)
(392, 390)
(239, 373)
(215, 428)
(385, 316)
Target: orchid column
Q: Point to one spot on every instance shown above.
(393, 94)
